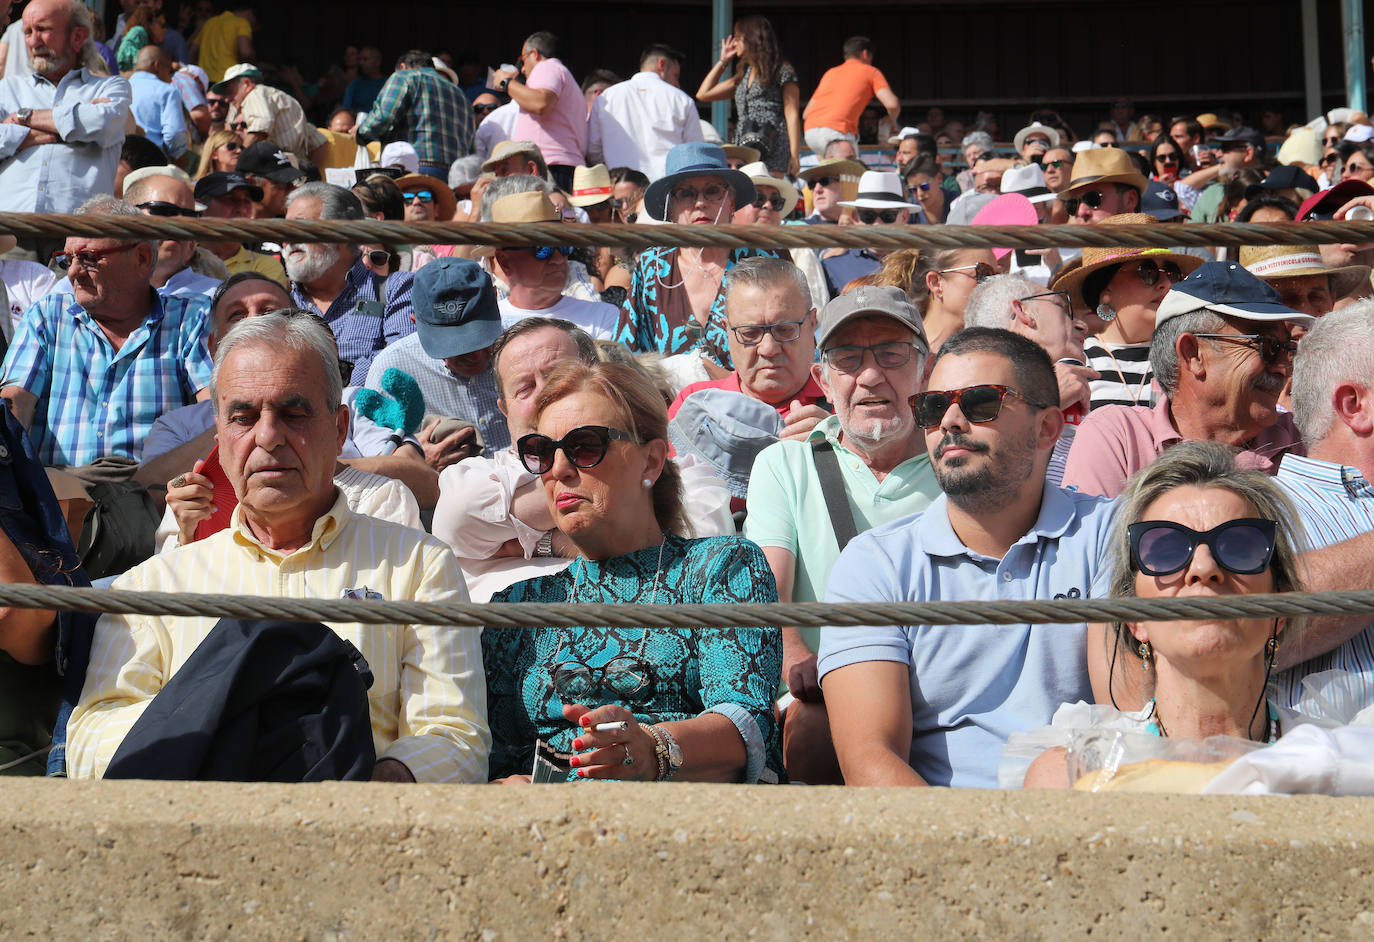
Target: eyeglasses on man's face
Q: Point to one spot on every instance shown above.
(89, 259)
(751, 335)
(979, 404)
(1271, 350)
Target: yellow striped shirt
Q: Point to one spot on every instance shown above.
(428, 697)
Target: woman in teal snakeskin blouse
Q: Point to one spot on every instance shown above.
(696, 703)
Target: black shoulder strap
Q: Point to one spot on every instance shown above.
(832, 488)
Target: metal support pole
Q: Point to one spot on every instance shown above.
(1352, 27)
(1311, 60)
(722, 21)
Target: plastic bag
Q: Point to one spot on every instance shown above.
(1116, 760)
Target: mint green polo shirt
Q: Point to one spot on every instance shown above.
(788, 510)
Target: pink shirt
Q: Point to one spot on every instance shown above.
(561, 132)
(807, 395)
(1114, 442)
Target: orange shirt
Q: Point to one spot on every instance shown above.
(842, 95)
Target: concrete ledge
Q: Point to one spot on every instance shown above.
(144, 860)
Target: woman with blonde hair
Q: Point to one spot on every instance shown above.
(219, 154)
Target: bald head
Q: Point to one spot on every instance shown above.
(160, 189)
(152, 59)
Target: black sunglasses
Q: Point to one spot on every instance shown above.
(1161, 547)
(1092, 199)
(1166, 158)
(1055, 164)
(774, 202)
(379, 257)
(1271, 349)
(979, 404)
(1149, 271)
(827, 181)
(485, 109)
(160, 208)
(869, 216)
(585, 446)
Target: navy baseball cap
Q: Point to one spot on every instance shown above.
(224, 182)
(455, 308)
(1241, 135)
(1161, 202)
(1287, 177)
(1226, 288)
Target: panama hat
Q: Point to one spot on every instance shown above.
(1096, 258)
(1104, 165)
(505, 148)
(849, 172)
(591, 185)
(1029, 181)
(1035, 127)
(758, 174)
(742, 153)
(695, 159)
(1276, 262)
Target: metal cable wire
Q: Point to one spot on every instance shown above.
(802, 614)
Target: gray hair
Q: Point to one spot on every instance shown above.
(464, 170)
(1338, 349)
(981, 138)
(990, 303)
(586, 346)
(516, 183)
(1204, 464)
(759, 271)
(89, 58)
(1164, 344)
(336, 202)
(289, 328)
(103, 204)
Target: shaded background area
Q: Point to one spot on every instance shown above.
(1007, 56)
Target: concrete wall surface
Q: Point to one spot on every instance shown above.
(137, 860)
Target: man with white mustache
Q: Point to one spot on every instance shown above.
(873, 354)
(1222, 353)
(366, 312)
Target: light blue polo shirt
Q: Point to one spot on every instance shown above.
(973, 686)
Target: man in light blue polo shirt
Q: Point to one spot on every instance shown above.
(873, 354)
(920, 704)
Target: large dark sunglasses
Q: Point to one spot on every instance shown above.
(160, 208)
(1091, 199)
(979, 404)
(1149, 271)
(585, 446)
(1055, 164)
(545, 252)
(869, 216)
(485, 109)
(1271, 349)
(1161, 547)
(1166, 158)
(424, 196)
(774, 202)
(827, 181)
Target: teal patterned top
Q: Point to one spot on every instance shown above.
(731, 671)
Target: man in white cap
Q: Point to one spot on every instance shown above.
(635, 123)
(262, 113)
(1032, 141)
(881, 202)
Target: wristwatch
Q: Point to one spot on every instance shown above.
(23, 116)
(502, 86)
(666, 751)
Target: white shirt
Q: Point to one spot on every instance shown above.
(595, 317)
(25, 282)
(17, 60)
(635, 124)
(496, 127)
(189, 283)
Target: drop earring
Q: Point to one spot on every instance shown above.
(1106, 312)
(1147, 655)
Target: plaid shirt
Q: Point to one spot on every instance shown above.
(362, 323)
(93, 400)
(426, 109)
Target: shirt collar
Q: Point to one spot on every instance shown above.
(936, 536)
(326, 530)
(1162, 428)
(1328, 475)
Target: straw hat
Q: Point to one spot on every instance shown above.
(745, 155)
(758, 174)
(1095, 258)
(530, 206)
(1035, 127)
(445, 203)
(505, 148)
(849, 172)
(1104, 165)
(591, 185)
(1302, 147)
(1277, 262)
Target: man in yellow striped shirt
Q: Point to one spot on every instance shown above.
(279, 427)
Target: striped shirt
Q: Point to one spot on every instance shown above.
(1126, 380)
(472, 398)
(427, 700)
(364, 323)
(426, 109)
(93, 400)
(1335, 503)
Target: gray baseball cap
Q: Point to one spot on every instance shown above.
(871, 301)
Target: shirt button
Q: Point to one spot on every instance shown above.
(1006, 577)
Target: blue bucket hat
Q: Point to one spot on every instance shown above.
(455, 308)
(695, 159)
(1226, 288)
(727, 430)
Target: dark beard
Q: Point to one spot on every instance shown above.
(995, 483)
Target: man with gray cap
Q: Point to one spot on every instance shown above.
(863, 466)
(449, 356)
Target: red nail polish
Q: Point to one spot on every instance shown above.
(575, 761)
(585, 721)
(577, 744)
(581, 773)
